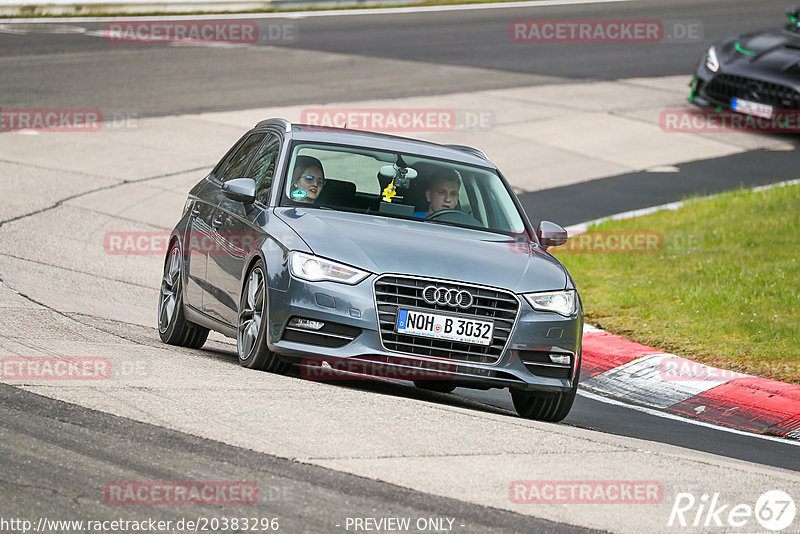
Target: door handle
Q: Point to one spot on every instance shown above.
(216, 223)
(195, 211)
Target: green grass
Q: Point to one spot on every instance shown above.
(724, 289)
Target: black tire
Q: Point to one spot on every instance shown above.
(551, 407)
(438, 386)
(251, 344)
(173, 328)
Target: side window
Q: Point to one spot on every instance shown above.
(263, 168)
(238, 163)
(217, 172)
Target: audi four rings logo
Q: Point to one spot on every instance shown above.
(447, 297)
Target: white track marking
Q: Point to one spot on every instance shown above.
(666, 415)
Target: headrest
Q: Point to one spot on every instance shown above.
(337, 192)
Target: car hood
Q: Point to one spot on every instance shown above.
(386, 245)
(774, 52)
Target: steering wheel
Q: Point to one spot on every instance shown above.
(439, 213)
(455, 216)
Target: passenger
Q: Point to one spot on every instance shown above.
(308, 179)
(442, 192)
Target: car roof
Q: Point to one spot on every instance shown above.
(379, 141)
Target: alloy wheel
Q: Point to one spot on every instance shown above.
(251, 314)
(170, 288)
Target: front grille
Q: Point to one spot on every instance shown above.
(393, 292)
(725, 87)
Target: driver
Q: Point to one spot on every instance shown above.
(442, 192)
(308, 180)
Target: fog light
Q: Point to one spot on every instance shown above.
(306, 324)
(563, 359)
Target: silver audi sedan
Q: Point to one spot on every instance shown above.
(351, 253)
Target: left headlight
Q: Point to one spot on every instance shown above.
(562, 302)
(316, 269)
(712, 61)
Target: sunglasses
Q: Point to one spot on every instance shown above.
(310, 179)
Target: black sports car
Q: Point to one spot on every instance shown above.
(755, 73)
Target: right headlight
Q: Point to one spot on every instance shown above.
(562, 302)
(316, 269)
(712, 61)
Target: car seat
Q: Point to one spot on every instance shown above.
(338, 193)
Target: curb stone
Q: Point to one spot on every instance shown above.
(615, 366)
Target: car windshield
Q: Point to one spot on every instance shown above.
(405, 186)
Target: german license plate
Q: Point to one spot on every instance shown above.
(446, 327)
(752, 108)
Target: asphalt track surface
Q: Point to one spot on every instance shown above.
(395, 55)
(62, 451)
(77, 70)
(587, 201)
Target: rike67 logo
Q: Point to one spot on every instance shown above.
(774, 510)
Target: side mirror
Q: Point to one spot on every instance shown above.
(240, 190)
(550, 234)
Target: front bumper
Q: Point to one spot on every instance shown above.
(351, 334)
(698, 94)
(718, 89)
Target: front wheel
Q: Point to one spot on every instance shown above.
(251, 343)
(173, 328)
(551, 407)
